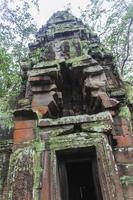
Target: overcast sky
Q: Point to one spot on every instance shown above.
(48, 7)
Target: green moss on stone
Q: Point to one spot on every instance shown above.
(31, 152)
(84, 46)
(39, 147)
(18, 163)
(99, 127)
(126, 180)
(125, 113)
(73, 50)
(74, 140)
(77, 60)
(36, 56)
(23, 102)
(46, 64)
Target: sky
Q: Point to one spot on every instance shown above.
(48, 7)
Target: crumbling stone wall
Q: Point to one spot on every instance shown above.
(5, 152)
(74, 99)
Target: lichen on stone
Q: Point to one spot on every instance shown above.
(125, 112)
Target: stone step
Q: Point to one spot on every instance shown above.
(45, 88)
(40, 80)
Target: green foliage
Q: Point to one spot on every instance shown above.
(112, 20)
(9, 75)
(17, 28)
(10, 83)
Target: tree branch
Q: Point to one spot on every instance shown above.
(127, 47)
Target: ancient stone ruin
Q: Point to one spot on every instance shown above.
(72, 137)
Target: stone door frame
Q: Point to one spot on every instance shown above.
(108, 173)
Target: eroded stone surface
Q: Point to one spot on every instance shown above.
(74, 100)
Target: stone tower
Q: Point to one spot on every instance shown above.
(72, 137)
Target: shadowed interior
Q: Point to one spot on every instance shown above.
(78, 175)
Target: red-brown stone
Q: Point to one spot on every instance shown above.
(25, 124)
(44, 79)
(42, 110)
(23, 135)
(128, 191)
(124, 140)
(125, 170)
(121, 126)
(45, 192)
(124, 155)
(107, 101)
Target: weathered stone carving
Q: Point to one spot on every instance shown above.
(75, 110)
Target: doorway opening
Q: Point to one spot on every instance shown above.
(78, 175)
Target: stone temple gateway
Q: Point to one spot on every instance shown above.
(72, 137)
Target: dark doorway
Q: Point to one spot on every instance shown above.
(78, 175)
(80, 181)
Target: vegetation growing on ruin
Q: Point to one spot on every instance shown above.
(18, 27)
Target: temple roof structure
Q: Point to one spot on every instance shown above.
(73, 56)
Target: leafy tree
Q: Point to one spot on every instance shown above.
(9, 85)
(17, 28)
(113, 22)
